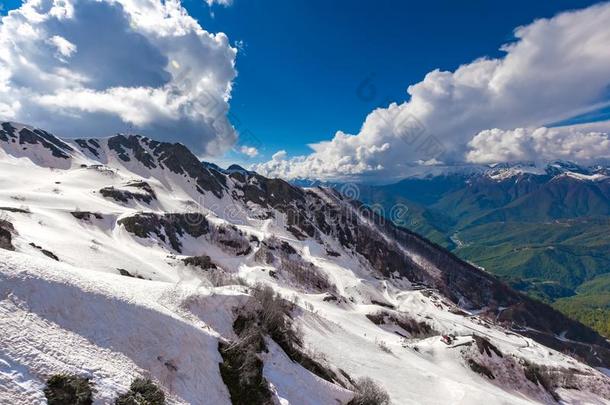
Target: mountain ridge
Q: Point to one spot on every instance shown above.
(178, 159)
(338, 251)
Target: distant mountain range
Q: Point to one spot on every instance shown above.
(543, 228)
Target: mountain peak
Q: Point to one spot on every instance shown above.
(235, 168)
(41, 147)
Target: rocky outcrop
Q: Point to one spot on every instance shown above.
(143, 192)
(203, 262)
(86, 215)
(167, 227)
(6, 235)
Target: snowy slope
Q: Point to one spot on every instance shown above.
(96, 285)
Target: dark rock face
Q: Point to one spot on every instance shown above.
(485, 346)
(413, 327)
(124, 196)
(15, 209)
(233, 240)
(121, 143)
(45, 252)
(266, 192)
(308, 215)
(480, 369)
(177, 158)
(26, 136)
(86, 215)
(126, 273)
(89, 144)
(6, 235)
(144, 194)
(5, 131)
(144, 186)
(168, 227)
(203, 262)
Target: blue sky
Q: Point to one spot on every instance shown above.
(304, 61)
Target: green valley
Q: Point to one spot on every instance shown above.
(546, 234)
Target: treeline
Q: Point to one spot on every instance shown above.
(592, 310)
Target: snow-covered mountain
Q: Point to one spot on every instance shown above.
(124, 257)
(551, 169)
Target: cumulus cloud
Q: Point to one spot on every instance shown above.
(555, 69)
(249, 151)
(571, 143)
(92, 68)
(64, 48)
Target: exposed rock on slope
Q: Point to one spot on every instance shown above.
(168, 227)
(6, 235)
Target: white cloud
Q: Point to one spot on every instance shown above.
(64, 48)
(555, 69)
(92, 68)
(249, 151)
(571, 143)
(224, 3)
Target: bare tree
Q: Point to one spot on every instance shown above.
(368, 392)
